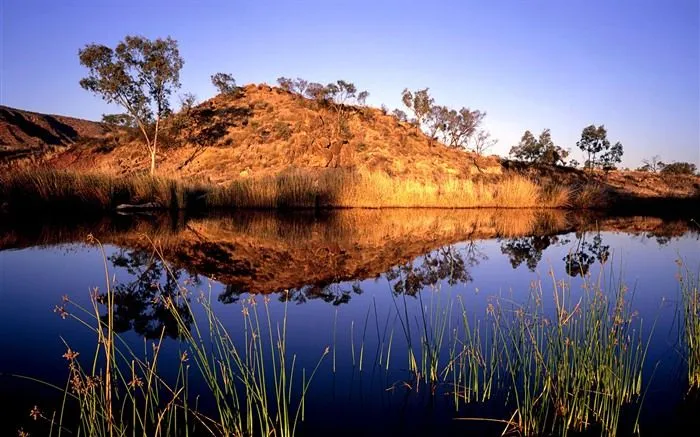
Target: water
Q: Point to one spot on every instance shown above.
(357, 271)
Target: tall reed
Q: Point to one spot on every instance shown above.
(254, 382)
(690, 316)
(573, 367)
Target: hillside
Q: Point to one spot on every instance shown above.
(262, 133)
(265, 130)
(25, 134)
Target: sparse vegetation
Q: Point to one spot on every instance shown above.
(255, 383)
(247, 135)
(456, 128)
(690, 319)
(482, 142)
(400, 115)
(653, 164)
(139, 75)
(297, 86)
(225, 84)
(331, 188)
(61, 191)
(539, 151)
(562, 363)
(26, 190)
(679, 168)
(375, 190)
(420, 103)
(594, 141)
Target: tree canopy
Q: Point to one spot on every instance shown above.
(679, 168)
(540, 150)
(455, 128)
(138, 74)
(225, 84)
(594, 142)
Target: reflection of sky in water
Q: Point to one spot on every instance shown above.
(32, 282)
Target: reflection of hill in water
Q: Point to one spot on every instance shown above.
(266, 252)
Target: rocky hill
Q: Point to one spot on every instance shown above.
(25, 134)
(261, 131)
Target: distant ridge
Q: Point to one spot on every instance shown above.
(24, 133)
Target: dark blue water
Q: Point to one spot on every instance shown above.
(334, 314)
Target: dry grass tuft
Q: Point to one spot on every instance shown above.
(592, 195)
(69, 191)
(347, 189)
(61, 190)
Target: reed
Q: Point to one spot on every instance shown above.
(117, 391)
(563, 363)
(474, 360)
(571, 368)
(254, 382)
(690, 316)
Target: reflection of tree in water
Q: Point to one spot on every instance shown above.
(331, 293)
(447, 263)
(528, 250)
(671, 231)
(661, 240)
(579, 261)
(139, 304)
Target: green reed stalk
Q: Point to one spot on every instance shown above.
(121, 393)
(689, 284)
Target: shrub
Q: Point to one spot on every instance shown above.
(675, 168)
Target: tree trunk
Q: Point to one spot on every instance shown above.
(153, 149)
(153, 162)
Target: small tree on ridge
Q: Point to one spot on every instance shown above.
(225, 84)
(594, 140)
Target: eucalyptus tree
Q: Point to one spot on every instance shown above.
(420, 103)
(594, 141)
(225, 84)
(540, 150)
(653, 164)
(139, 75)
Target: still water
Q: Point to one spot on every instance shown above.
(357, 284)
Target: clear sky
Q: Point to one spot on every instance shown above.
(633, 65)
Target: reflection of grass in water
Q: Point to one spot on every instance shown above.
(690, 298)
(120, 392)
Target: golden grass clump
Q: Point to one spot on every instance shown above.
(40, 189)
(347, 189)
(326, 188)
(592, 195)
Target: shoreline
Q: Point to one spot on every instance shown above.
(42, 190)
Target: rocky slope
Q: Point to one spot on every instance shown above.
(25, 134)
(263, 130)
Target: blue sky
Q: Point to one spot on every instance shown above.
(633, 65)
